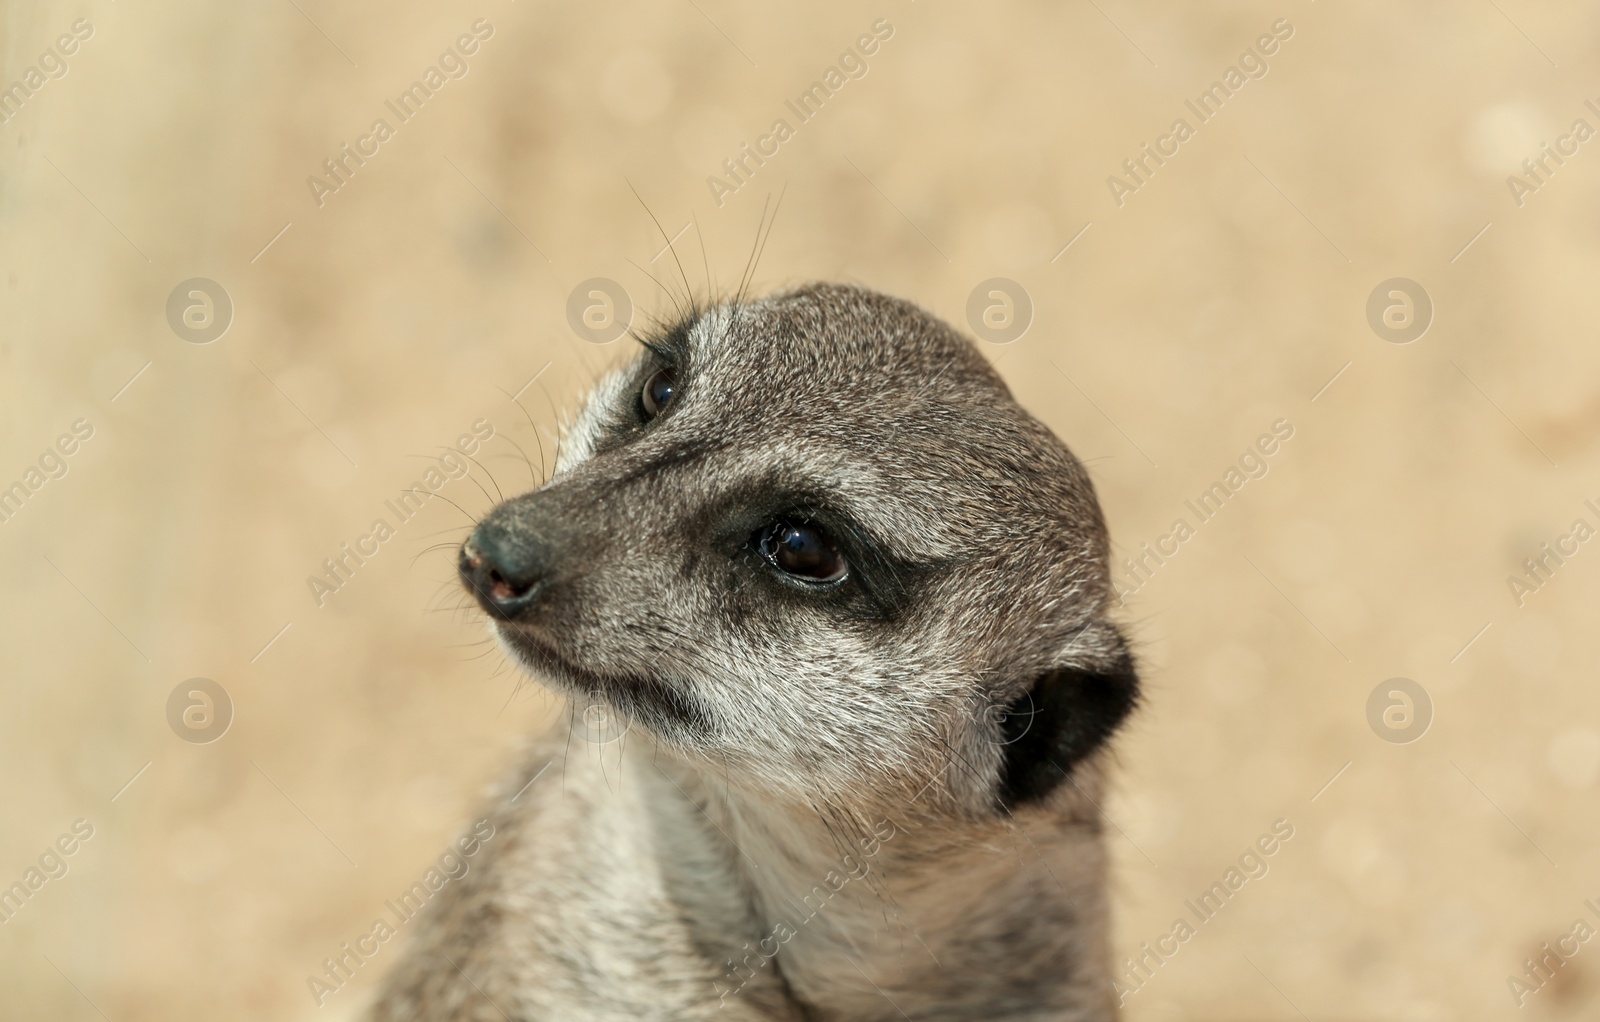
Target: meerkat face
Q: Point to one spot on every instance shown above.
(813, 542)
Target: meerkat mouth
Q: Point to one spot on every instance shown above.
(649, 698)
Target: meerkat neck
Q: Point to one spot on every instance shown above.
(874, 914)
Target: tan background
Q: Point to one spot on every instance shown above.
(1221, 297)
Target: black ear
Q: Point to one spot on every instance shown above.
(1064, 716)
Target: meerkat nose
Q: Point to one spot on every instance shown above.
(502, 573)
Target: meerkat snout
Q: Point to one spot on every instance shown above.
(505, 569)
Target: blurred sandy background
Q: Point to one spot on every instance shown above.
(1220, 297)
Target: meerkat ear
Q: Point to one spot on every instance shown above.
(1065, 715)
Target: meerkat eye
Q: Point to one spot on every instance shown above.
(658, 392)
(802, 550)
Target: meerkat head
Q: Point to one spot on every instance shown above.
(813, 542)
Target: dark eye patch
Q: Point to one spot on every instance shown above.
(878, 586)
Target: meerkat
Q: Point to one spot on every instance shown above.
(848, 605)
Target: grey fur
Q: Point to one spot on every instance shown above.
(954, 693)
